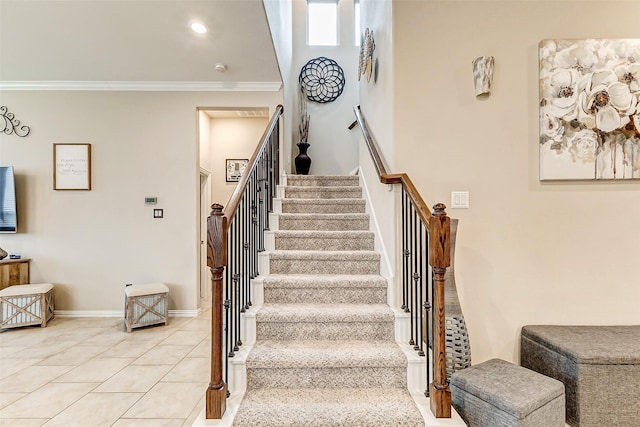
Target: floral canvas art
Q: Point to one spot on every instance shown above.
(590, 109)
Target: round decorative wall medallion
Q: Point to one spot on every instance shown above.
(322, 80)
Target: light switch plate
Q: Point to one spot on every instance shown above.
(459, 200)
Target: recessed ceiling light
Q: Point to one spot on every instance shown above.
(198, 28)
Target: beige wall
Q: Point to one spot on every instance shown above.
(377, 104)
(334, 148)
(528, 252)
(90, 243)
(279, 15)
(231, 139)
(376, 95)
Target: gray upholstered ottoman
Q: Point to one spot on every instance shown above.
(599, 366)
(496, 393)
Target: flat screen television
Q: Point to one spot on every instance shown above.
(8, 210)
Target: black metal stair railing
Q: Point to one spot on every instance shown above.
(235, 238)
(416, 298)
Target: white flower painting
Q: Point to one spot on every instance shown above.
(590, 109)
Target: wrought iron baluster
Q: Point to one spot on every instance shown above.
(236, 277)
(261, 196)
(420, 344)
(230, 294)
(404, 249)
(406, 254)
(411, 270)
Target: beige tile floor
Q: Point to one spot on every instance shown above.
(91, 372)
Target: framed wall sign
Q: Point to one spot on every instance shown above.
(72, 166)
(235, 168)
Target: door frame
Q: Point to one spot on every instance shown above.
(205, 206)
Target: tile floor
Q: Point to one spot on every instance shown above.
(91, 372)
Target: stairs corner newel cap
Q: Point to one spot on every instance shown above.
(439, 241)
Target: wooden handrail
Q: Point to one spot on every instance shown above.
(396, 178)
(232, 205)
(438, 226)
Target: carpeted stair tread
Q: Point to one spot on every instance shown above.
(324, 262)
(337, 240)
(326, 255)
(321, 192)
(325, 281)
(325, 351)
(320, 354)
(310, 234)
(326, 221)
(289, 407)
(322, 313)
(323, 206)
(326, 364)
(323, 180)
(325, 289)
(327, 216)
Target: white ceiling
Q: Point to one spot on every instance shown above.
(135, 41)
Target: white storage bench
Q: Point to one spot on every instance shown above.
(146, 305)
(24, 305)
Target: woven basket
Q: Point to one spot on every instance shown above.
(457, 345)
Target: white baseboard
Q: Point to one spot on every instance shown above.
(184, 313)
(386, 267)
(118, 313)
(89, 313)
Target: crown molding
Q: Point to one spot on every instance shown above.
(157, 86)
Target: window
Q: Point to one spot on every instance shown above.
(322, 22)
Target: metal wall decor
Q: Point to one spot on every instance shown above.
(367, 46)
(11, 124)
(322, 80)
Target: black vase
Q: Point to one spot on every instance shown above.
(302, 160)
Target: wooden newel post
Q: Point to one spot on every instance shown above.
(439, 260)
(216, 260)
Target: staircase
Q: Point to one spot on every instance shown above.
(325, 351)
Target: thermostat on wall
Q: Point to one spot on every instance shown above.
(150, 200)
